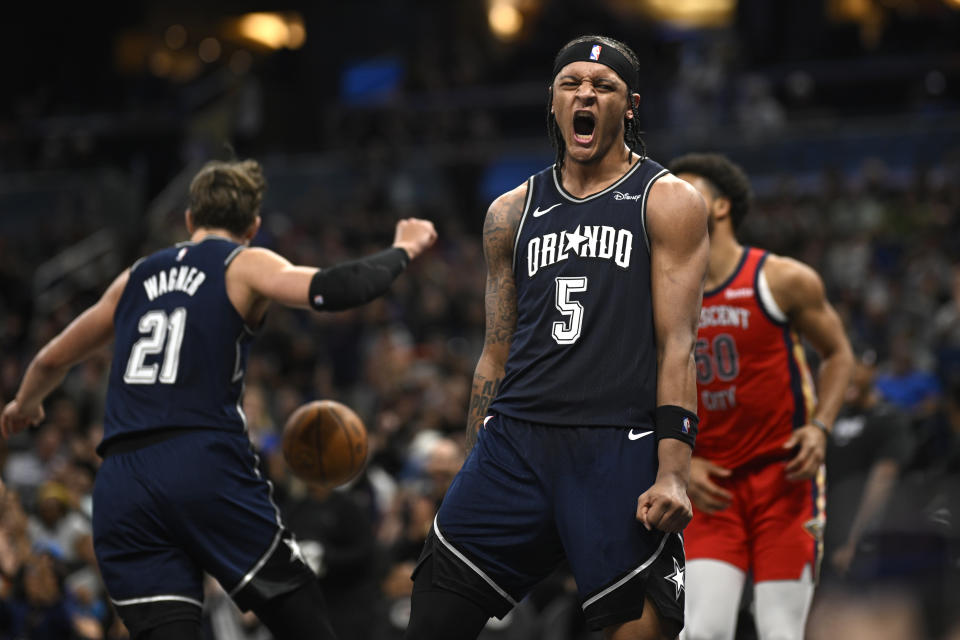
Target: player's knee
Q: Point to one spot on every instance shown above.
(300, 613)
(710, 624)
(782, 608)
(438, 613)
(692, 633)
(780, 627)
(444, 614)
(780, 634)
(628, 632)
(650, 626)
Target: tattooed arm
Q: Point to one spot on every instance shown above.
(499, 232)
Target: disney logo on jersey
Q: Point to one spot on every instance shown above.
(586, 241)
(617, 195)
(724, 316)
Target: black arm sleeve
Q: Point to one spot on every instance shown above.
(351, 284)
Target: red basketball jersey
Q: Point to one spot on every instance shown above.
(753, 383)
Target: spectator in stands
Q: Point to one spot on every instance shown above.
(905, 384)
(57, 527)
(870, 442)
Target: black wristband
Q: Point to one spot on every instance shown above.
(671, 421)
(351, 284)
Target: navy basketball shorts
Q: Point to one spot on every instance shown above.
(530, 495)
(166, 513)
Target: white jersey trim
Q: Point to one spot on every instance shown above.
(240, 411)
(256, 471)
(643, 207)
(564, 194)
(523, 218)
(125, 603)
(622, 581)
(466, 561)
(766, 299)
(233, 254)
(262, 561)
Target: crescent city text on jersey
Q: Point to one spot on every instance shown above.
(724, 316)
(586, 241)
(186, 279)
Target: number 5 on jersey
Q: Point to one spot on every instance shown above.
(160, 328)
(569, 332)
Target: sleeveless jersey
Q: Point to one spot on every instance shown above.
(584, 350)
(753, 383)
(181, 347)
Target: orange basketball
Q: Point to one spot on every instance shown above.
(325, 441)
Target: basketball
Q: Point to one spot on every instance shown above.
(325, 442)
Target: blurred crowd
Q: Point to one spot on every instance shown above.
(886, 246)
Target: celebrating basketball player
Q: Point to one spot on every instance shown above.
(756, 480)
(179, 492)
(583, 401)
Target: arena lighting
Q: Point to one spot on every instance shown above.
(297, 33)
(268, 29)
(175, 36)
(850, 10)
(273, 30)
(692, 13)
(505, 19)
(160, 63)
(953, 4)
(209, 50)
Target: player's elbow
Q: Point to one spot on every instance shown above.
(493, 357)
(842, 356)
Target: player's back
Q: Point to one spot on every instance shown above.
(584, 350)
(180, 345)
(753, 383)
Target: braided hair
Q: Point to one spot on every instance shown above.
(631, 133)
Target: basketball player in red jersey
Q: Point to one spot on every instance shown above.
(756, 478)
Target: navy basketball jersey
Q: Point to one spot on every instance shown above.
(181, 347)
(584, 350)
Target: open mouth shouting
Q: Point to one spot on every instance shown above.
(584, 123)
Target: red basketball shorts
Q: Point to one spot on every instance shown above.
(773, 526)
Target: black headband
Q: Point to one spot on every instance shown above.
(604, 54)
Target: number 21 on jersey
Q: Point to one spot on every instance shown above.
(160, 329)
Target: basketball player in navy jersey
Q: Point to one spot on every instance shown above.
(179, 492)
(582, 416)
